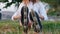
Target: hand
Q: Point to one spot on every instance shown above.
(42, 17)
(16, 17)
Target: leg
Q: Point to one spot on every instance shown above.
(39, 22)
(36, 22)
(20, 23)
(25, 20)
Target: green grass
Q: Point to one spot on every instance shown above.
(48, 27)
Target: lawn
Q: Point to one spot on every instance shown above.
(12, 27)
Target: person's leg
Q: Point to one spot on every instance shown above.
(39, 22)
(25, 20)
(36, 23)
(20, 23)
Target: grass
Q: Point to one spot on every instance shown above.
(12, 27)
(51, 27)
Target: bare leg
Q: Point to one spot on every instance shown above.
(20, 24)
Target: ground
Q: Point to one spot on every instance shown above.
(12, 27)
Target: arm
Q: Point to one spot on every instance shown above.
(43, 11)
(17, 15)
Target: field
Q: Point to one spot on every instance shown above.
(12, 27)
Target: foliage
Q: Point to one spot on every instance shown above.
(3, 0)
(10, 3)
(52, 2)
(12, 0)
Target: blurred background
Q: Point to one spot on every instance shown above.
(11, 6)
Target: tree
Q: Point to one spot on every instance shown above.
(10, 3)
(54, 3)
(3, 0)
